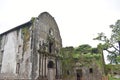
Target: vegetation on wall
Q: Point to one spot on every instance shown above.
(32, 19)
(84, 55)
(26, 38)
(67, 60)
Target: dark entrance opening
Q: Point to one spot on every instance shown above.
(51, 75)
(50, 64)
(91, 70)
(79, 74)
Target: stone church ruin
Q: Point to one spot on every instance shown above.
(30, 51)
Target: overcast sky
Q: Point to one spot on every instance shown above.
(79, 21)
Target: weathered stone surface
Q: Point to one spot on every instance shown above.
(27, 50)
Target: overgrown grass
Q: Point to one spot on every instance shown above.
(111, 78)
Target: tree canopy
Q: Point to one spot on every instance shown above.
(112, 44)
(85, 48)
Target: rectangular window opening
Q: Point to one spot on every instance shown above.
(91, 70)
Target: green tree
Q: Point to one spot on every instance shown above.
(116, 33)
(118, 58)
(95, 50)
(67, 61)
(84, 49)
(110, 44)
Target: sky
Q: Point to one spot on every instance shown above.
(79, 21)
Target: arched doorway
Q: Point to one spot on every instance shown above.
(51, 74)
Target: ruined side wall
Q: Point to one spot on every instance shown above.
(9, 53)
(15, 53)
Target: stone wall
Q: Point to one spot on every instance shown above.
(41, 34)
(91, 72)
(15, 50)
(27, 50)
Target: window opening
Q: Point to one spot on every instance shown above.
(91, 70)
(17, 68)
(50, 64)
(50, 47)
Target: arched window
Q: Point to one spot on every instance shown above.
(50, 64)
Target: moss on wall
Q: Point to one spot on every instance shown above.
(32, 19)
(26, 38)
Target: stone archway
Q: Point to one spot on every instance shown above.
(51, 74)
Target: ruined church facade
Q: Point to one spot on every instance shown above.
(30, 51)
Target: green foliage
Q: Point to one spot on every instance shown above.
(115, 31)
(93, 58)
(32, 19)
(26, 37)
(110, 69)
(112, 58)
(71, 56)
(118, 59)
(95, 50)
(110, 43)
(84, 49)
(112, 78)
(67, 60)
